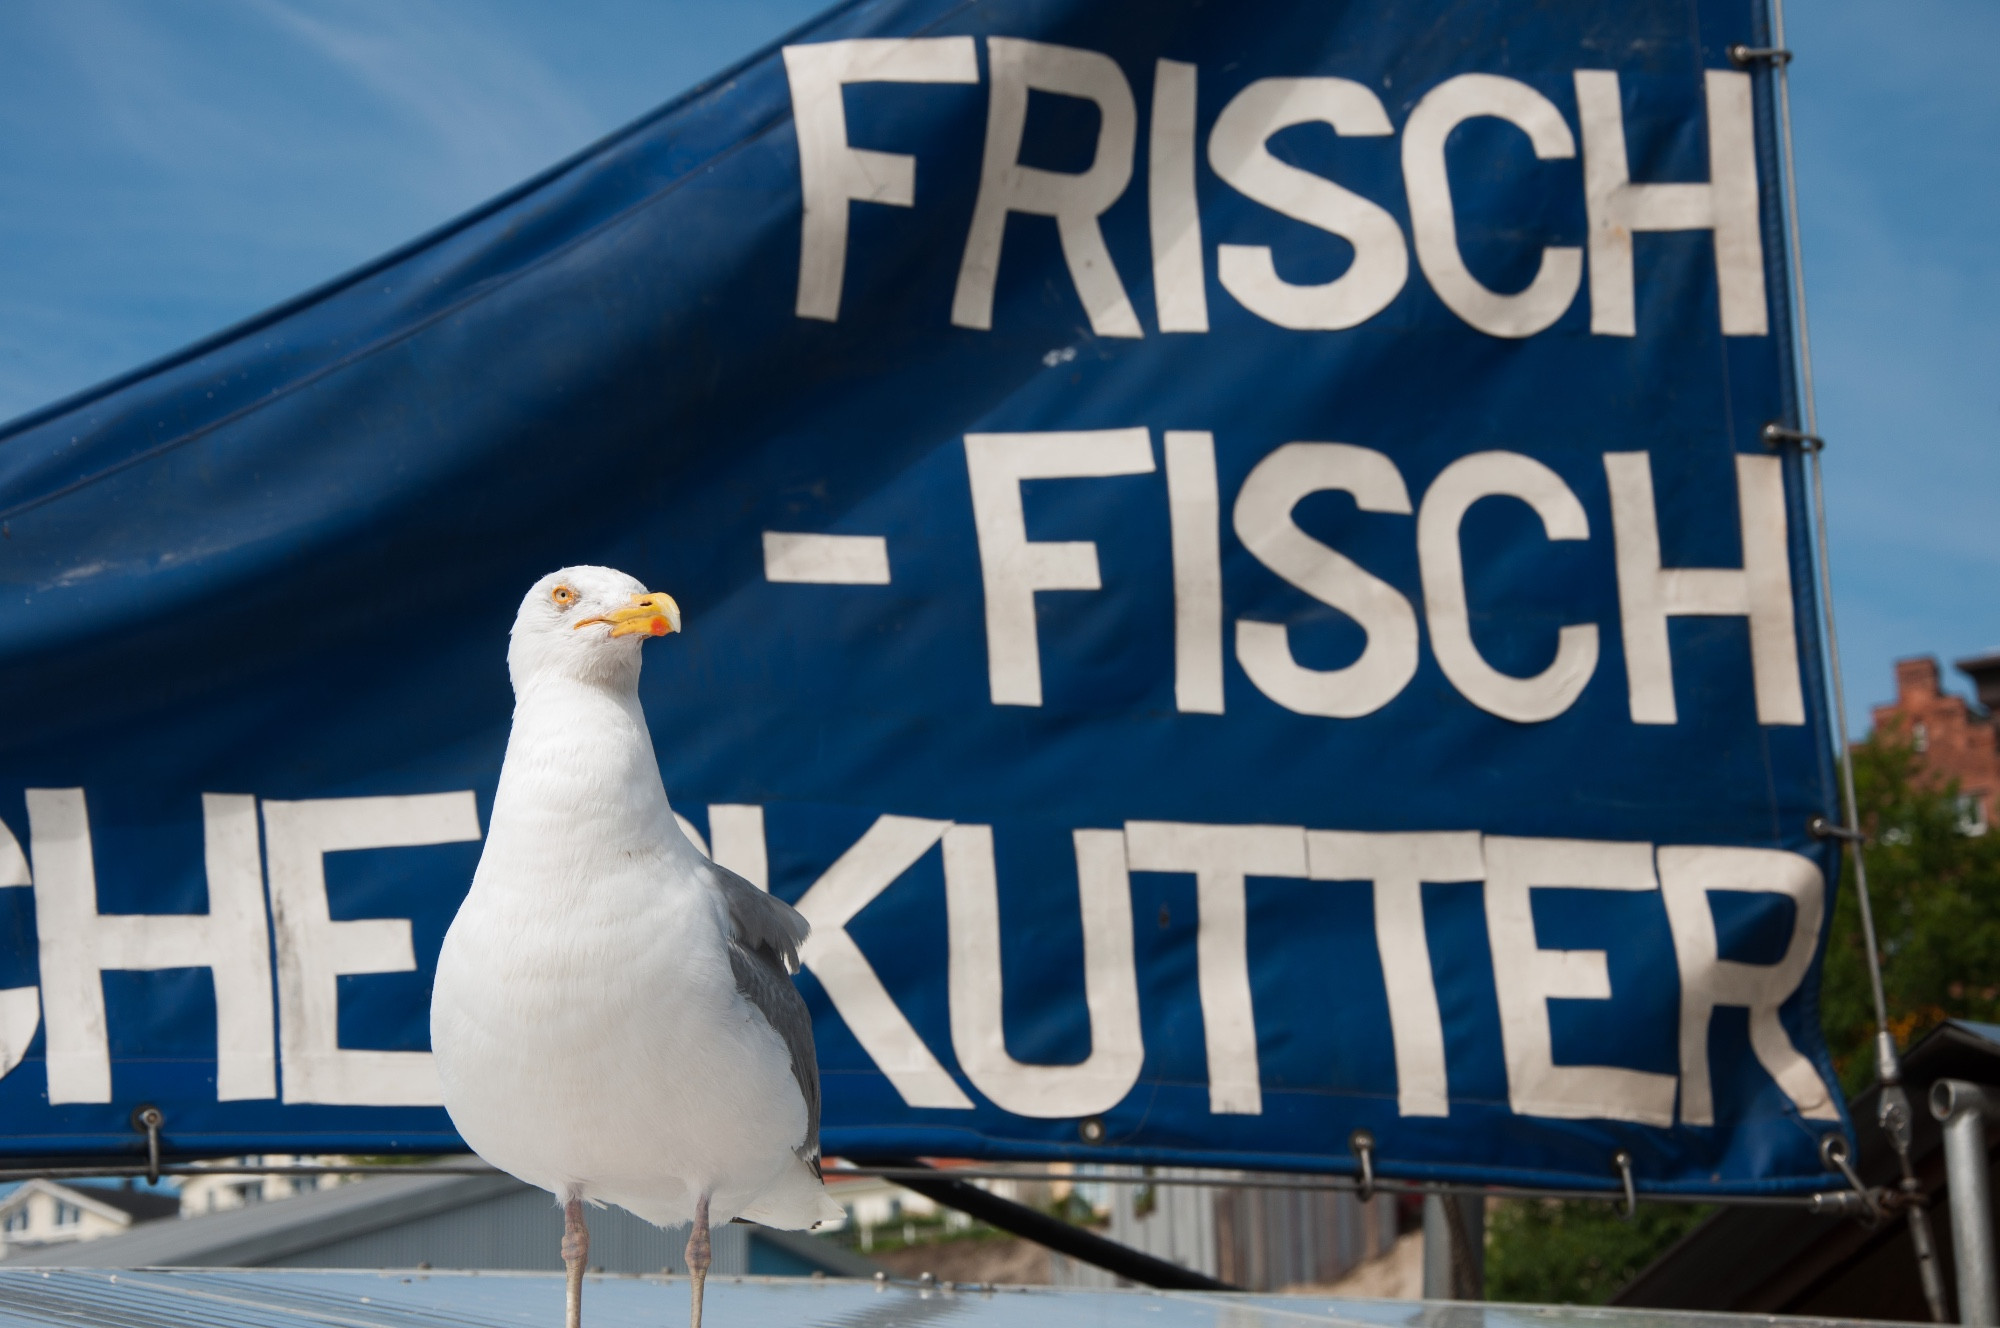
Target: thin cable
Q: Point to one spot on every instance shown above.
(1782, 74)
(1893, 1114)
(1830, 1203)
(1809, 404)
(1890, 1071)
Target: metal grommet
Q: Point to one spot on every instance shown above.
(1821, 828)
(1091, 1129)
(1776, 435)
(1623, 1161)
(1362, 1144)
(1833, 1155)
(1740, 54)
(150, 1118)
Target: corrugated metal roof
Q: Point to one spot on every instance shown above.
(275, 1298)
(485, 1222)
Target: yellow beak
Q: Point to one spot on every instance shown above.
(651, 614)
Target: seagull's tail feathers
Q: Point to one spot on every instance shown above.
(796, 1203)
(829, 1211)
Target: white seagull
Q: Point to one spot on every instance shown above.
(614, 1019)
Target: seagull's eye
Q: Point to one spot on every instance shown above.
(563, 596)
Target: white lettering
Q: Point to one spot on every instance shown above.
(1434, 226)
(1196, 515)
(1649, 594)
(20, 1017)
(1526, 978)
(1075, 201)
(1687, 876)
(13, 863)
(1397, 867)
(1110, 981)
(891, 847)
(314, 951)
(1180, 291)
(1221, 856)
(826, 560)
(1463, 483)
(79, 945)
(1237, 152)
(1726, 205)
(20, 1007)
(1263, 519)
(738, 832)
(831, 174)
(1012, 566)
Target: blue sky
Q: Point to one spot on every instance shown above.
(1897, 115)
(168, 169)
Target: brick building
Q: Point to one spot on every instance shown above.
(1955, 740)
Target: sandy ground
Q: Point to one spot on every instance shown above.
(1397, 1275)
(1004, 1262)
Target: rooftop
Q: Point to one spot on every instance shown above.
(274, 1298)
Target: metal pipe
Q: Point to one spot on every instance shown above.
(1052, 1232)
(1964, 1109)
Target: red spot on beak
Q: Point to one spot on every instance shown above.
(659, 627)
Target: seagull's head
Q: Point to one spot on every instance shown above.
(587, 623)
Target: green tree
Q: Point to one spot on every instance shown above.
(1936, 894)
(1575, 1252)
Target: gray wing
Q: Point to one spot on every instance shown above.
(764, 937)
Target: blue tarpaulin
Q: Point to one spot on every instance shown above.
(1229, 570)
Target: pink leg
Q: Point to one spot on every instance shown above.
(575, 1252)
(697, 1259)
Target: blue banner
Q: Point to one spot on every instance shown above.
(1229, 569)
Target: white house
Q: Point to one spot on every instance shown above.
(221, 1194)
(46, 1212)
(869, 1202)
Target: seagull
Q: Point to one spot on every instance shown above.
(614, 1019)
